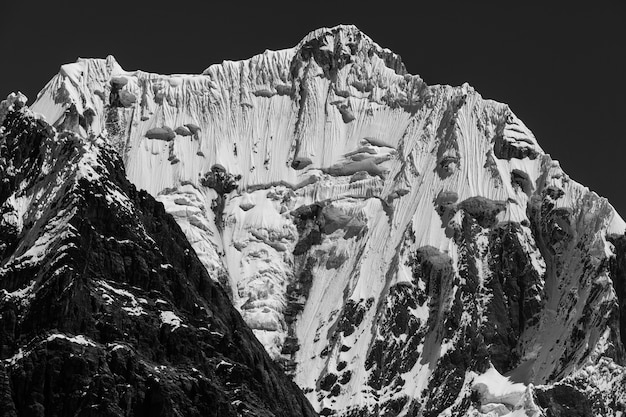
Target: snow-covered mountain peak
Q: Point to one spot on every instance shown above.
(388, 241)
(343, 44)
(353, 69)
(348, 38)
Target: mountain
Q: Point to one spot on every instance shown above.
(105, 308)
(400, 248)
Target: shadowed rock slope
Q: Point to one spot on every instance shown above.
(105, 309)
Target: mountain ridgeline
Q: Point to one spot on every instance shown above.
(398, 249)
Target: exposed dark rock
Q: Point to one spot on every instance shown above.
(506, 149)
(301, 162)
(182, 131)
(119, 82)
(445, 386)
(516, 290)
(552, 225)
(297, 294)
(563, 400)
(447, 165)
(618, 272)
(350, 168)
(554, 192)
(161, 133)
(220, 180)
(114, 96)
(264, 93)
(87, 118)
(223, 183)
(345, 377)
(127, 99)
(327, 412)
(123, 319)
(351, 317)
(388, 358)
(445, 198)
(331, 61)
(290, 345)
(337, 57)
(335, 259)
(346, 114)
(118, 97)
(448, 157)
(468, 350)
(521, 179)
(327, 382)
(482, 209)
(434, 268)
(71, 120)
(194, 129)
(284, 90)
(334, 219)
(307, 220)
(492, 166)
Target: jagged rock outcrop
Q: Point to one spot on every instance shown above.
(402, 249)
(105, 308)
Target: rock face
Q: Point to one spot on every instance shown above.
(105, 308)
(402, 249)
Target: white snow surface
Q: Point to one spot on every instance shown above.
(170, 318)
(79, 340)
(495, 388)
(25, 351)
(130, 304)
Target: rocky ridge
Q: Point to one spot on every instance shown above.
(105, 308)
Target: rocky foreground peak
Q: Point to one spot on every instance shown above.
(400, 249)
(105, 308)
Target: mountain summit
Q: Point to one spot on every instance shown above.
(401, 249)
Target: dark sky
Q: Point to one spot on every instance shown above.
(561, 69)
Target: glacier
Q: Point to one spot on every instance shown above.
(389, 242)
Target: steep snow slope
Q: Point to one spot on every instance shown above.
(105, 309)
(388, 241)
